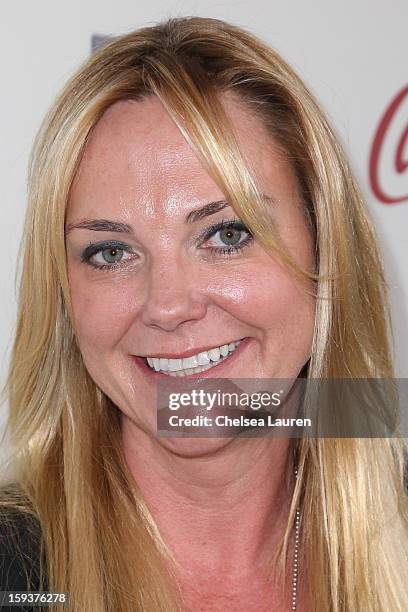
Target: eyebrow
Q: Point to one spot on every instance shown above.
(205, 211)
(105, 225)
(100, 225)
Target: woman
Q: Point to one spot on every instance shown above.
(187, 195)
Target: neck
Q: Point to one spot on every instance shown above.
(222, 511)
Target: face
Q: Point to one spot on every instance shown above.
(158, 271)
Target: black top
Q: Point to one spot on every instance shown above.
(20, 538)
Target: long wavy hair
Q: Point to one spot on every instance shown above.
(101, 542)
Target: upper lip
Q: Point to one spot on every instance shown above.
(188, 353)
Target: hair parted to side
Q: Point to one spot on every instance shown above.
(68, 465)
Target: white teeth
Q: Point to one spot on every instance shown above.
(191, 371)
(175, 364)
(224, 350)
(164, 364)
(214, 354)
(203, 358)
(190, 362)
(194, 364)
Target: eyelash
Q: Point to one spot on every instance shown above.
(227, 224)
(95, 248)
(227, 251)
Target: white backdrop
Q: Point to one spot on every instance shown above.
(353, 55)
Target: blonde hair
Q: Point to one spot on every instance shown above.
(69, 468)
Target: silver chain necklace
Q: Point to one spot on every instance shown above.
(296, 554)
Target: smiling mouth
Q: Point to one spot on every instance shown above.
(195, 363)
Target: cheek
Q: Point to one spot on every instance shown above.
(102, 312)
(279, 311)
(293, 322)
(288, 318)
(265, 296)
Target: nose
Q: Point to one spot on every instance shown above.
(173, 297)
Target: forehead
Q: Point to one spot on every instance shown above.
(137, 160)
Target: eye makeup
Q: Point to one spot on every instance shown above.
(88, 255)
(226, 228)
(229, 230)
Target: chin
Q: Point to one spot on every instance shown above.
(194, 447)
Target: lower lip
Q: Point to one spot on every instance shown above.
(218, 369)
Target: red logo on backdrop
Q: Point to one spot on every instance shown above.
(400, 165)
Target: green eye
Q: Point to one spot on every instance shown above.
(227, 237)
(230, 235)
(108, 255)
(112, 255)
